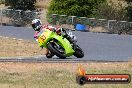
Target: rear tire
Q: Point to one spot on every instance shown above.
(51, 47)
(78, 52)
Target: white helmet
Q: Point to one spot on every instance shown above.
(36, 24)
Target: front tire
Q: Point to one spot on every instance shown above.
(78, 52)
(54, 50)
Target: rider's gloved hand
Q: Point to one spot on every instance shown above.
(58, 31)
(54, 30)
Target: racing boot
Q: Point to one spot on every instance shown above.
(49, 55)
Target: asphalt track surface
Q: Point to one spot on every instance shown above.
(96, 46)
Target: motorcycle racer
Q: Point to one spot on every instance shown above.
(38, 27)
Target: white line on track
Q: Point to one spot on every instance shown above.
(20, 58)
(14, 38)
(11, 38)
(7, 37)
(20, 39)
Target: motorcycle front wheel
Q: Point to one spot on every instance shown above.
(57, 50)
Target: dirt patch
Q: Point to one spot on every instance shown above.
(60, 75)
(43, 4)
(72, 67)
(98, 29)
(14, 47)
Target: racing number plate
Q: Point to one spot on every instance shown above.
(42, 38)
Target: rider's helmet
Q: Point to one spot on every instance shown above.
(36, 24)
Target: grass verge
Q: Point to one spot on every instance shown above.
(14, 47)
(50, 75)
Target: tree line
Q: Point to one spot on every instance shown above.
(84, 8)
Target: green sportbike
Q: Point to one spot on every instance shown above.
(59, 45)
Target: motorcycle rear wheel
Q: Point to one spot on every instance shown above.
(78, 52)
